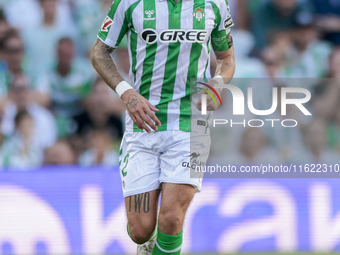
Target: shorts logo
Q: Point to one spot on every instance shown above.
(198, 14)
(126, 161)
(150, 36)
(149, 14)
(194, 162)
(193, 155)
(106, 24)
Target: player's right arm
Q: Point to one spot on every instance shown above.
(114, 27)
(138, 107)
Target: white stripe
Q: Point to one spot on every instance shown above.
(223, 7)
(209, 25)
(202, 61)
(118, 21)
(128, 37)
(182, 69)
(205, 56)
(162, 20)
(141, 52)
(171, 251)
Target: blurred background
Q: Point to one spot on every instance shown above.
(61, 128)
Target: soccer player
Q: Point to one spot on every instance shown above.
(169, 45)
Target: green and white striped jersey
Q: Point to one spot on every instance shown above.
(169, 44)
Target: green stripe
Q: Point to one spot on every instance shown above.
(217, 14)
(111, 14)
(207, 121)
(127, 20)
(218, 38)
(170, 66)
(206, 66)
(149, 60)
(196, 50)
(133, 49)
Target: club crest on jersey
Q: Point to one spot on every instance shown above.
(149, 15)
(106, 24)
(198, 14)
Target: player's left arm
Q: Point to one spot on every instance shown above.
(226, 61)
(224, 72)
(222, 44)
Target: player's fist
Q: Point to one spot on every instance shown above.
(213, 98)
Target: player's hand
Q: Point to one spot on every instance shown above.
(211, 105)
(140, 110)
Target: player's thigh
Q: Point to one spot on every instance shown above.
(139, 165)
(141, 212)
(175, 202)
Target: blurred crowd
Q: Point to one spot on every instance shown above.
(55, 110)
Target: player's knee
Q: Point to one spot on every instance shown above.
(170, 221)
(141, 233)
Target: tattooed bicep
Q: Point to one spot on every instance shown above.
(99, 45)
(230, 40)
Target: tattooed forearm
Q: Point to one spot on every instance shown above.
(103, 62)
(132, 103)
(141, 201)
(229, 64)
(218, 54)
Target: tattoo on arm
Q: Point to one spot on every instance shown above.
(229, 64)
(142, 201)
(218, 54)
(132, 103)
(230, 40)
(103, 62)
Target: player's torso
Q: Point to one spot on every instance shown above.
(169, 42)
(169, 45)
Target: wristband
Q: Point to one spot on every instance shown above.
(122, 87)
(219, 79)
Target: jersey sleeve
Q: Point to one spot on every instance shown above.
(115, 25)
(223, 24)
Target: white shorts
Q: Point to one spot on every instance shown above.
(147, 160)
